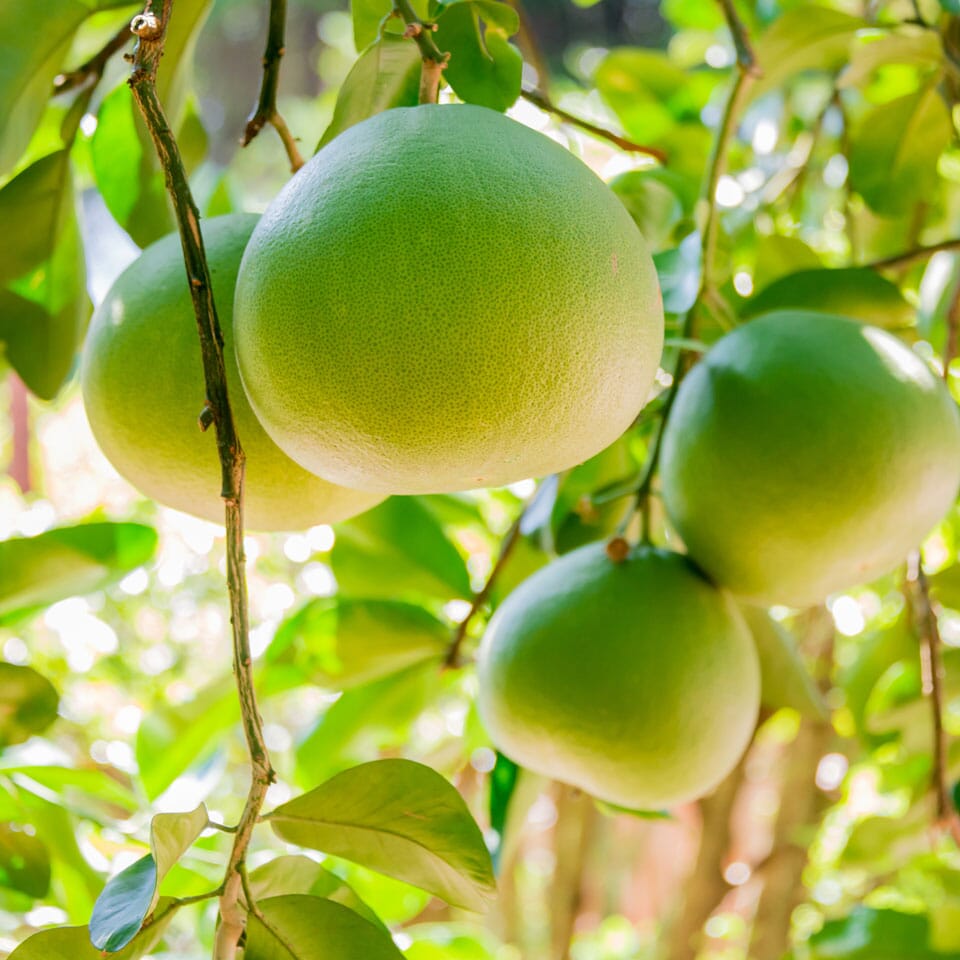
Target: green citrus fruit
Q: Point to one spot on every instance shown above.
(806, 454)
(143, 389)
(443, 299)
(636, 681)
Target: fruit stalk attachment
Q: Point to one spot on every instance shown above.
(151, 31)
(266, 109)
(434, 60)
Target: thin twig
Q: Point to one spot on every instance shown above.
(94, 67)
(151, 32)
(912, 256)
(539, 99)
(952, 335)
(507, 545)
(746, 58)
(931, 662)
(434, 59)
(266, 109)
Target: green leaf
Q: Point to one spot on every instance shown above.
(28, 703)
(68, 784)
(126, 171)
(73, 943)
(503, 783)
(34, 40)
(43, 299)
(484, 67)
(300, 875)
(894, 151)
(856, 292)
(910, 45)
(300, 927)
(646, 90)
(679, 274)
(130, 896)
(67, 561)
(808, 37)
(654, 205)
(24, 861)
(386, 75)
(868, 934)
(398, 549)
(784, 680)
(778, 256)
(400, 818)
(347, 642)
(370, 15)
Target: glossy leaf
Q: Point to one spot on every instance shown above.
(868, 934)
(503, 783)
(130, 896)
(398, 549)
(386, 75)
(297, 874)
(910, 45)
(301, 927)
(43, 299)
(894, 150)
(67, 561)
(400, 818)
(34, 40)
(784, 679)
(484, 67)
(856, 292)
(779, 256)
(28, 703)
(343, 643)
(24, 861)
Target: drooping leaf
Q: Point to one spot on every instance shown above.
(856, 292)
(297, 874)
(398, 817)
(484, 67)
(34, 39)
(130, 896)
(43, 299)
(808, 37)
(299, 927)
(24, 861)
(398, 549)
(346, 642)
(28, 703)
(67, 561)
(784, 680)
(894, 150)
(386, 75)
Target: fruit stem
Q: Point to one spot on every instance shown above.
(151, 31)
(539, 99)
(266, 109)
(434, 60)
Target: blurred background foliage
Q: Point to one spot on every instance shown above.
(116, 695)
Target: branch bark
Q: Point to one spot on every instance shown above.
(434, 60)
(266, 109)
(151, 30)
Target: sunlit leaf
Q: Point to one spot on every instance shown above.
(24, 861)
(400, 818)
(484, 67)
(868, 934)
(679, 274)
(299, 927)
(910, 45)
(386, 75)
(28, 703)
(67, 561)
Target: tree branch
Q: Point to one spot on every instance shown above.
(151, 31)
(539, 99)
(931, 661)
(434, 60)
(911, 256)
(266, 109)
(93, 67)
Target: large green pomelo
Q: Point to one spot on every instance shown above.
(143, 389)
(637, 681)
(444, 299)
(806, 454)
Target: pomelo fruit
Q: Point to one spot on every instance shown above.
(636, 681)
(143, 389)
(444, 299)
(805, 454)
